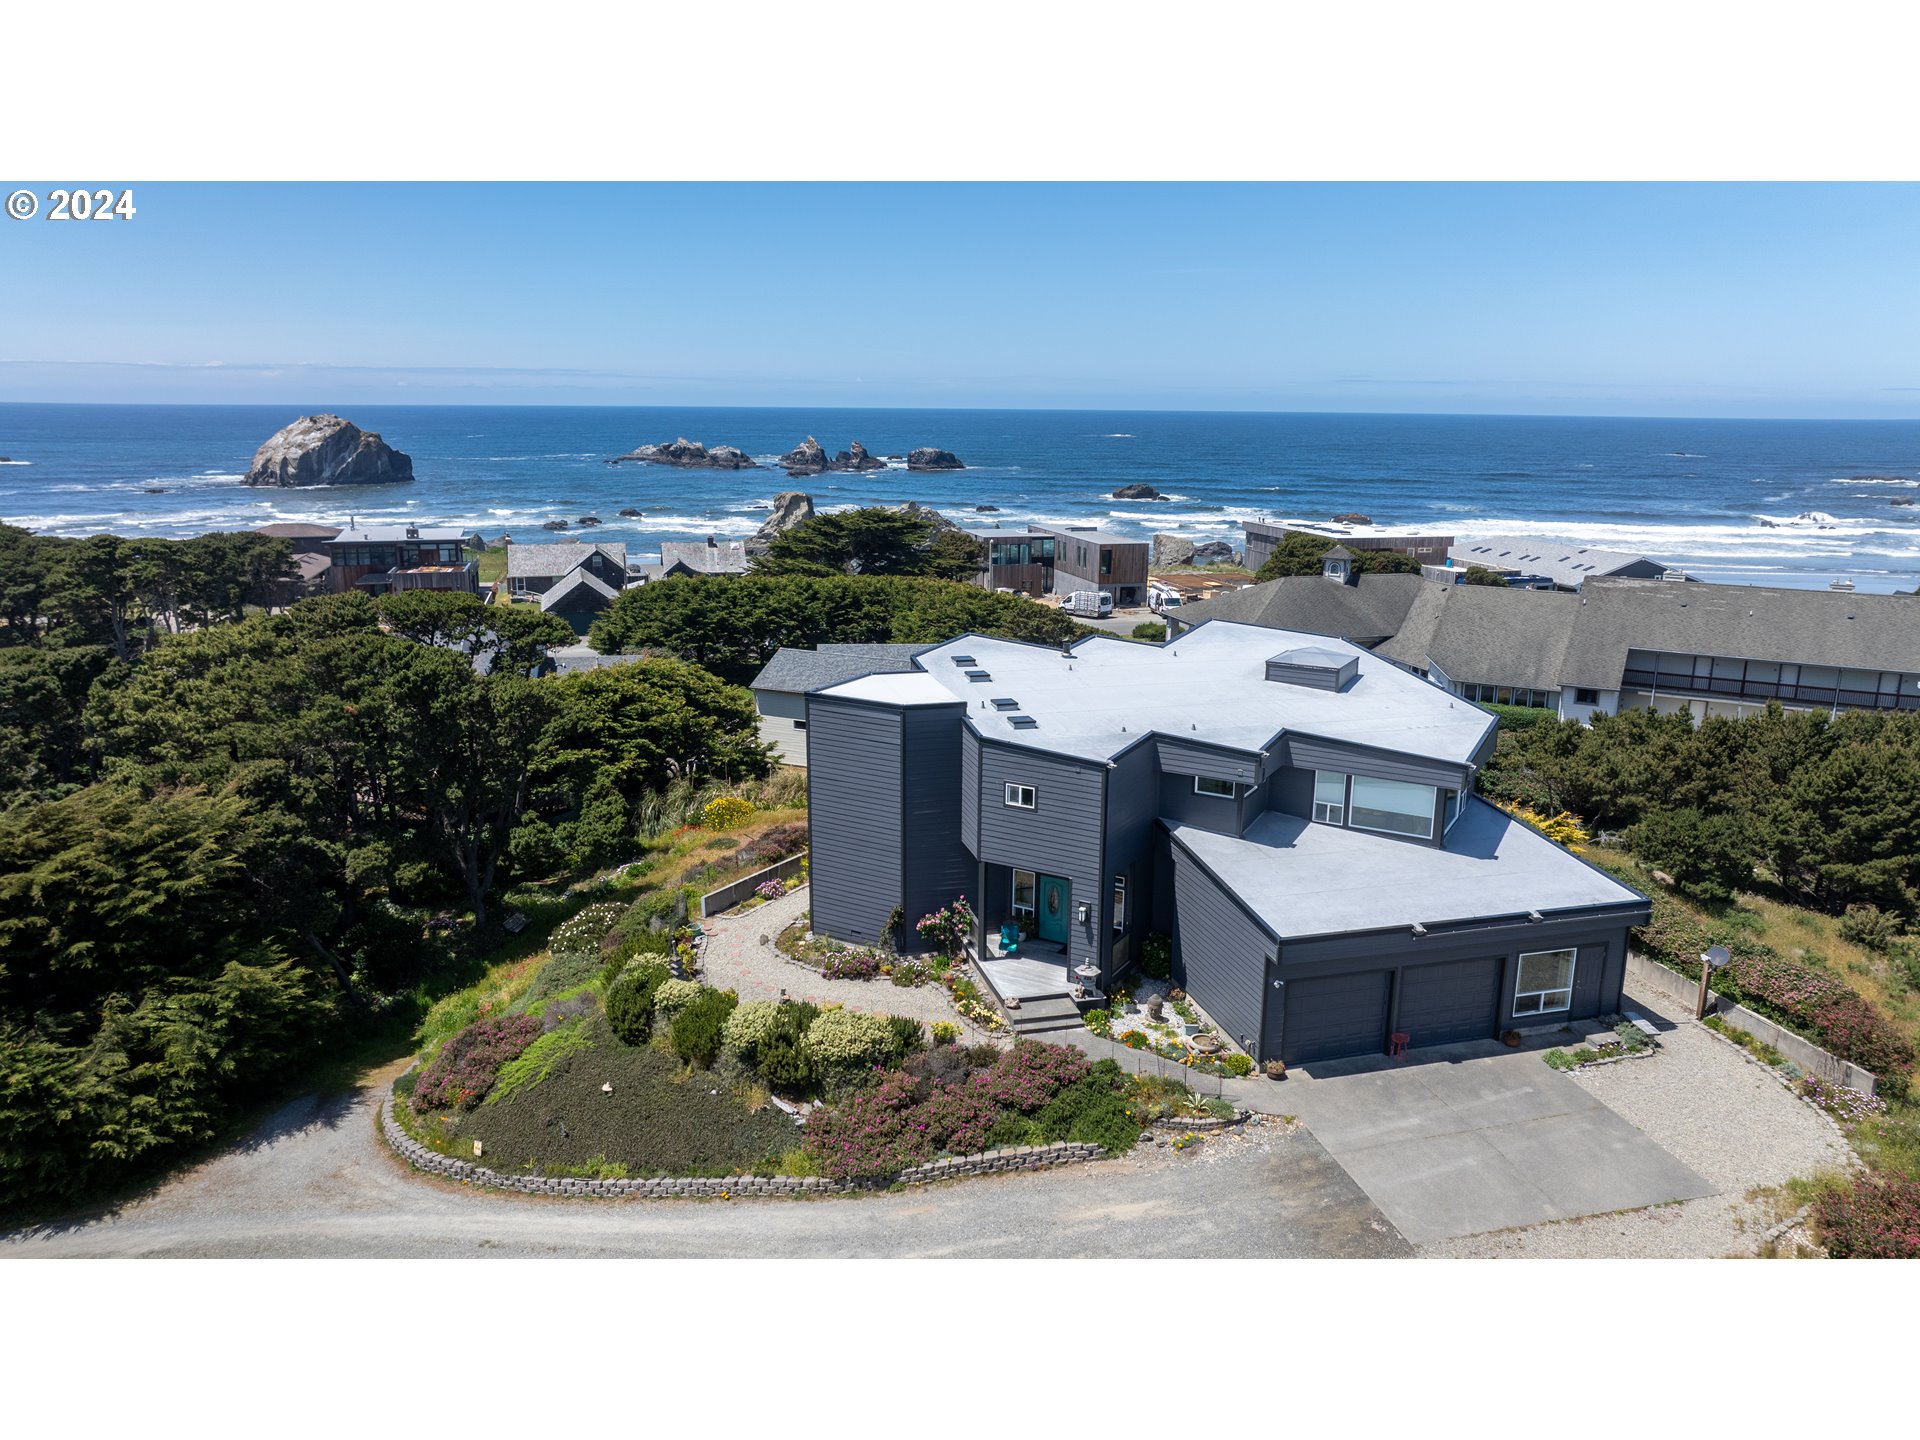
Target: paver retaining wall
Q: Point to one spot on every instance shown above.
(1665, 980)
(991, 1162)
(728, 896)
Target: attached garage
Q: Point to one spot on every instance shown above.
(1337, 1015)
(1460, 1000)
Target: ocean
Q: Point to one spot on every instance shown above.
(1767, 502)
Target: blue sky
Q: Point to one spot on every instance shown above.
(1773, 300)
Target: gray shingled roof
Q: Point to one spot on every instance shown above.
(1749, 622)
(1487, 634)
(723, 557)
(569, 584)
(530, 562)
(1370, 610)
(795, 671)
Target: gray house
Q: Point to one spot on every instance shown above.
(1296, 814)
(780, 689)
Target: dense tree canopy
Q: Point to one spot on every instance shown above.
(874, 540)
(219, 845)
(731, 625)
(1829, 807)
(1480, 575)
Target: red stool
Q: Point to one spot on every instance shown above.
(1397, 1045)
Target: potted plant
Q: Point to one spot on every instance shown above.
(1276, 1069)
(1511, 1039)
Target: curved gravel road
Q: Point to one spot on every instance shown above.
(316, 1180)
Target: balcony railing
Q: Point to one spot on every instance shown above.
(1763, 690)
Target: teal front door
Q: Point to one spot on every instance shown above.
(1051, 909)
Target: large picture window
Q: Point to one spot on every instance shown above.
(1330, 797)
(1545, 985)
(1397, 806)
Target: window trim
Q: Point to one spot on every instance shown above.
(1033, 891)
(1572, 952)
(1336, 811)
(1119, 904)
(1032, 802)
(1229, 793)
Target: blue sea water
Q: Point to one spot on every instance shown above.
(1774, 502)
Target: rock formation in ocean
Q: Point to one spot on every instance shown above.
(1353, 517)
(688, 455)
(630, 513)
(1903, 500)
(988, 509)
(1214, 552)
(928, 458)
(588, 520)
(326, 450)
(554, 525)
(1137, 491)
(806, 458)
(928, 513)
(1172, 550)
(856, 458)
(790, 508)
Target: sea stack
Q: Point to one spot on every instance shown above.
(791, 508)
(1137, 491)
(688, 455)
(806, 458)
(326, 450)
(928, 458)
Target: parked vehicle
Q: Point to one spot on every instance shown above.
(1162, 598)
(1096, 603)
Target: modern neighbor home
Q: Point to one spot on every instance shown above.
(1037, 561)
(385, 559)
(1296, 814)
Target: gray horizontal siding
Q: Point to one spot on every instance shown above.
(854, 799)
(1310, 752)
(1220, 954)
(1190, 757)
(1061, 836)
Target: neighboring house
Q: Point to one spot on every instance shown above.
(780, 689)
(1297, 814)
(1039, 561)
(571, 659)
(1619, 644)
(1263, 535)
(572, 579)
(385, 558)
(311, 563)
(1532, 564)
(701, 557)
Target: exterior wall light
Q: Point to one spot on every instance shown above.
(1083, 912)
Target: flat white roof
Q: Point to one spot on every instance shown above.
(909, 688)
(1305, 879)
(1209, 685)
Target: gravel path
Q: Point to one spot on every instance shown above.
(1703, 1101)
(740, 956)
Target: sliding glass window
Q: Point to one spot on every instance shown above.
(1392, 805)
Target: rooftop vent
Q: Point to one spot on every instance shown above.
(1004, 702)
(978, 675)
(1313, 667)
(1022, 722)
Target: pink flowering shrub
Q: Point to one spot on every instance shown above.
(1032, 1073)
(851, 965)
(1820, 1005)
(947, 930)
(1873, 1219)
(467, 1065)
(770, 889)
(865, 1135)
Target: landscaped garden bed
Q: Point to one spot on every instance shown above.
(600, 1064)
(1167, 1023)
(1624, 1042)
(945, 966)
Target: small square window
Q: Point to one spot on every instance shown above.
(1021, 797)
(1208, 785)
(1583, 696)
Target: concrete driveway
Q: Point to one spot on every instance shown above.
(1460, 1139)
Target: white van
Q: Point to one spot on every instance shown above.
(1096, 603)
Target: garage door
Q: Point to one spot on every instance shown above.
(1341, 1015)
(1460, 1000)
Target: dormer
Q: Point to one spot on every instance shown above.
(1337, 565)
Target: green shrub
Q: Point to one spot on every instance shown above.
(846, 1041)
(1870, 927)
(629, 1002)
(1238, 1064)
(909, 1035)
(785, 1061)
(1156, 956)
(749, 1027)
(699, 1025)
(1154, 630)
(673, 996)
(1519, 717)
(1708, 855)
(1093, 1109)
(534, 1064)
(1559, 1059)
(1100, 1021)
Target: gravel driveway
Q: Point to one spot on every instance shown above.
(740, 956)
(1710, 1107)
(316, 1180)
